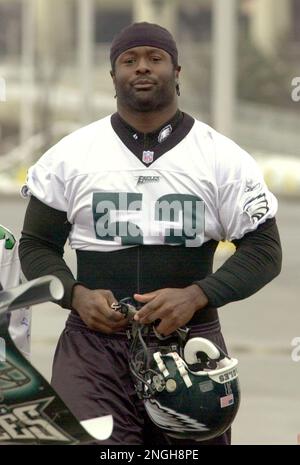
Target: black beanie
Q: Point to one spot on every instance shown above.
(139, 34)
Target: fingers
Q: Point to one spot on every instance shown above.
(150, 312)
(104, 302)
(167, 327)
(110, 297)
(144, 298)
(99, 321)
(173, 307)
(94, 307)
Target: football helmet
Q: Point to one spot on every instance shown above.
(190, 387)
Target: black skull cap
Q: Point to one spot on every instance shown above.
(141, 34)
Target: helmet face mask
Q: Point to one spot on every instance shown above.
(190, 389)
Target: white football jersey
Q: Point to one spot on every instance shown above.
(20, 320)
(206, 187)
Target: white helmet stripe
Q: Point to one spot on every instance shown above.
(161, 366)
(181, 368)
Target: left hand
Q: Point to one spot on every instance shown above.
(174, 307)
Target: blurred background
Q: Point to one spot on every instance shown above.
(241, 74)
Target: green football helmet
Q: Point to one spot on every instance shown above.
(190, 388)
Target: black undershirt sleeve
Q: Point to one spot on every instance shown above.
(256, 261)
(41, 248)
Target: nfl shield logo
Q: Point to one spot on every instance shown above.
(148, 156)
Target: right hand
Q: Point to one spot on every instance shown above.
(94, 308)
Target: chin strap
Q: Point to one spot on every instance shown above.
(181, 333)
(161, 366)
(182, 369)
(125, 307)
(147, 379)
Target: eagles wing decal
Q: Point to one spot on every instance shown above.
(170, 419)
(256, 207)
(255, 200)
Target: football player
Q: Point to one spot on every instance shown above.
(144, 195)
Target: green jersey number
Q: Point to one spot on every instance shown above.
(118, 217)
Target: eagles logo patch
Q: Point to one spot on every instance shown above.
(256, 207)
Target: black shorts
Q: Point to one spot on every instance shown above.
(91, 374)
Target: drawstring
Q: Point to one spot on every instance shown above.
(138, 269)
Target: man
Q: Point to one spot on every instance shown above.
(144, 196)
(19, 320)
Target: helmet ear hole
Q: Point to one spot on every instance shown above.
(199, 344)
